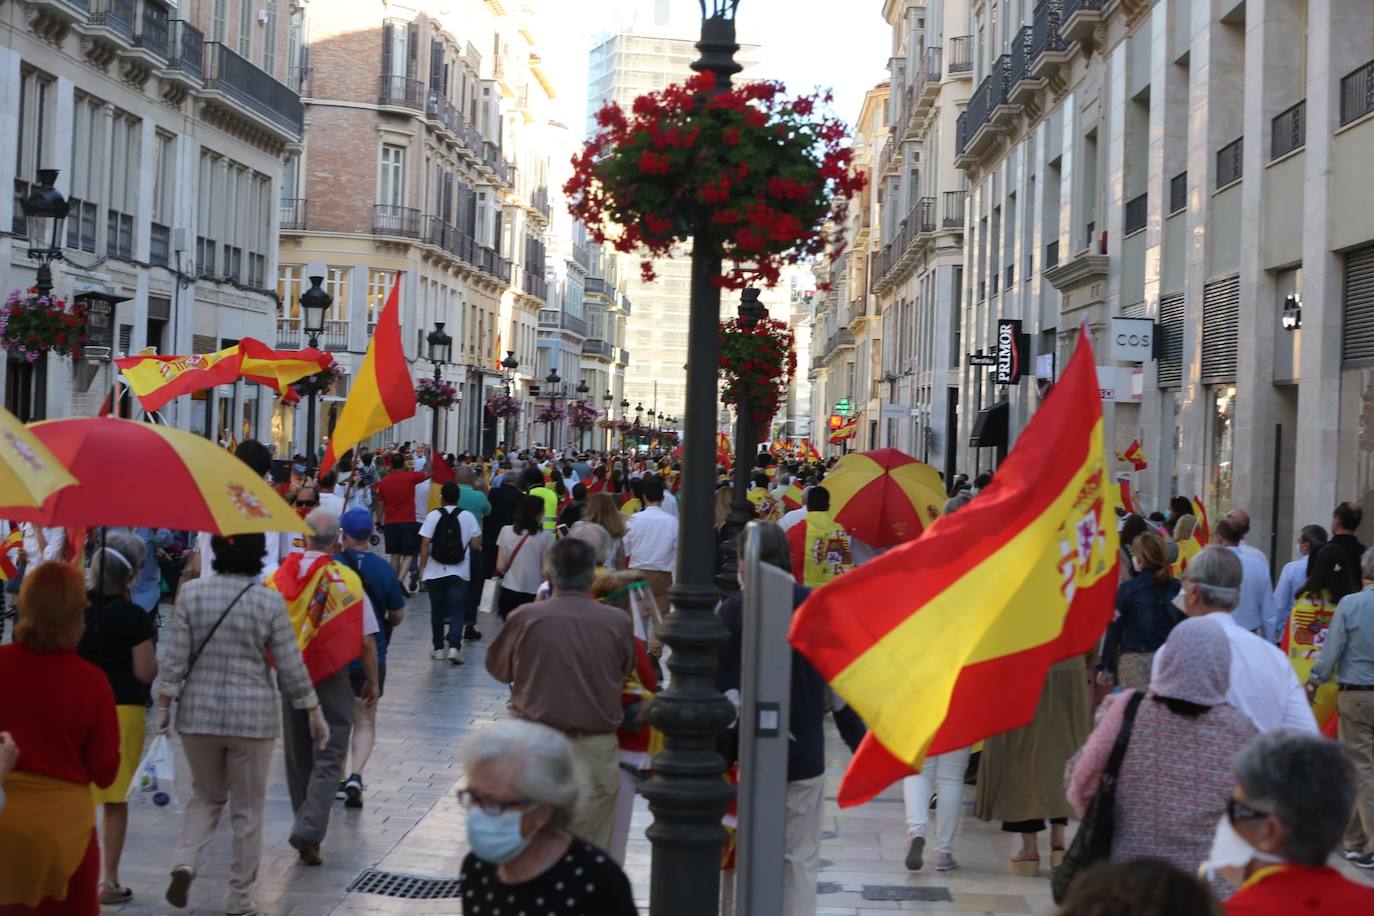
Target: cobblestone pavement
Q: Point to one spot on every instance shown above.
(413, 825)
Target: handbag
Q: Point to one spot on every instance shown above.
(1093, 841)
(500, 573)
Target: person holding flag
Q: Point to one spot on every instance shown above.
(334, 623)
(822, 550)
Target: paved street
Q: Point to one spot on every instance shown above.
(412, 824)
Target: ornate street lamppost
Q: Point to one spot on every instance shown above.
(582, 390)
(45, 211)
(751, 312)
(624, 415)
(510, 364)
(315, 303)
(609, 400)
(440, 349)
(553, 381)
(687, 793)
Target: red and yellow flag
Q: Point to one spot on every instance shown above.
(1134, 455)
(442, 474)
(9, 547)
(325, 601)
(807, 451)
(794, 496)
(278, 369)
(947, 639)
(158, 379)
(383, 393)
(846, 430)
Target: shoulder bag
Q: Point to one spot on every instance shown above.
(500, 573)
(195, 655)
(1093, 842)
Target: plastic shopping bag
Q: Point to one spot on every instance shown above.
(154, 782)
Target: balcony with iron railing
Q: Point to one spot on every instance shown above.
(116, 16)
(152, 30)
(925, 215)
(291, 333)
(1137, 213)
(293, 214)
(927, 82)
(1229, 164)
(1357, 93)
(1047, 44)
(1289, 131)
(390, 219)
(593, 346)
(1021, 80)
(489, 261)
(596, 286)
(453, 241)
(533, 284)
(185, 48)
(1081, 18)
(960, 55)
(952, 209)
(582, 257)
(245, 85)
(540, 201)
(443, 112)
(400, 92)
(989, 95)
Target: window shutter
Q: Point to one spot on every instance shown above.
(1220, 314)
(436, 65)
(413, 51)
(387, 36)
(1170, 367)
(448, 197)
(1357, 340)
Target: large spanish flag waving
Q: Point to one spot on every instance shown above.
(947, 639)
(156, 380)
(383, 393)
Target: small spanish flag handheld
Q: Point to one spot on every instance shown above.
(9, 548)
(846, 430)
(442, 474)
(947, 639)
(1134, 455)
(382, 393)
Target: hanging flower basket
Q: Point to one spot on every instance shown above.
(608, 423)
(624, 426)
(765, 169)
(582, 416)
(31, 325)
(550, 413)
(440, 395)
(502, 405)
(321, 382)
(763, 358)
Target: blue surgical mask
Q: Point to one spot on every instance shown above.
(496, 838)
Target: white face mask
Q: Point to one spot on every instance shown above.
(1231, 853)
(1180, 602)
(1135, 563)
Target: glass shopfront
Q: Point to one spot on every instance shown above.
(1355, 467)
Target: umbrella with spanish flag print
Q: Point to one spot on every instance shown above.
(29, 472)
(144, 475)
(884, 497)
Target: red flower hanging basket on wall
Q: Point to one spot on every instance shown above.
(766, 169)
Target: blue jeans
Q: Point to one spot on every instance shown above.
(448, 600)
(476, 580)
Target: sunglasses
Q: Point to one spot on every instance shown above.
(307, 502)
(1237, 810)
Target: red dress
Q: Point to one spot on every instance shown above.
(60, 710)
(1292, 890)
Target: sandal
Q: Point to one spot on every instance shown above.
(1026, 867)
(1056, 856)
(114, 894)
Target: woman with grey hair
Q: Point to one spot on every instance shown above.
(522, 789)
(120, 639)
(1263, 683)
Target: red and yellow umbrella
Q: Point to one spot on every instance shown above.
(884, 497)
(29, 472)
(149, 476)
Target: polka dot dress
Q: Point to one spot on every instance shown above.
(584, 882)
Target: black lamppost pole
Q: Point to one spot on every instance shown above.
(315, 303)
(624, 415)
(510, 364)
(609, 400)
(751, 312)
(687, 792)
(440, 347)
(553, 381)
(582, 390)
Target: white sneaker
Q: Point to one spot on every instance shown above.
(455, 657)
(438, 655)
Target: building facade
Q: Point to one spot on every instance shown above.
(1198, 165)
(426, 164)
(168, 126)
(918, 273)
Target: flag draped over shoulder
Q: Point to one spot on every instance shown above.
(325, 602)
(947, 639)
(382, 393)
(158, 379)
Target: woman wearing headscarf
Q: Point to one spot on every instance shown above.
(1168, 800)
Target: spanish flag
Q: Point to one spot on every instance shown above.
(279, 369)
(794, 497)
(158, 379)
(725, 452)
(383, 393)
(947, 639)
(846, 430)
(1134, 455)
(808, 452)
(9, 547)
(441, 473)
(325, 603)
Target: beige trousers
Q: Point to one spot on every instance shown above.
(228, 769)
(1356, 731)
(801, 854)
(659, 583)
(599, 758)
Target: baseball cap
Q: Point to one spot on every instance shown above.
(357, 524)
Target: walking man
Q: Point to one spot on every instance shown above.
(566, 659)
(474, 501)
(383, 590)
(334, 624)
(449, 538)
(399, 526)
(651, 546)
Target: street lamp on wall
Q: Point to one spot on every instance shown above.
(314, 303)
(45, 212)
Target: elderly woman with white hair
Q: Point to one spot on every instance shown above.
(119, 638)
(522, 789)
(1263, 683)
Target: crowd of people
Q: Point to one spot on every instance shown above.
(238, 641)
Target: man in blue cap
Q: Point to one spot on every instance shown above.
(383, 589)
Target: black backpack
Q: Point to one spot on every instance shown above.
(447, 545)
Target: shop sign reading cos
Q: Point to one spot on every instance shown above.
(1132, 340)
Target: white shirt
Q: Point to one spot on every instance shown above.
(1263, 683)
(1291, 578)
(419, 461)
(333, 502)
(1256, 609)
(468, 528)
(422, 498)
(1245, 550)
(651, 540)
(669, 502)
(792, 518)
(54, 542)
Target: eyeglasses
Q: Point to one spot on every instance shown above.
(1237, 810)
(469, 799)
(307, 502)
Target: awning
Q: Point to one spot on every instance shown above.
(990, 427)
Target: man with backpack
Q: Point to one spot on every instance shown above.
(447, 537)
(383, 589)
